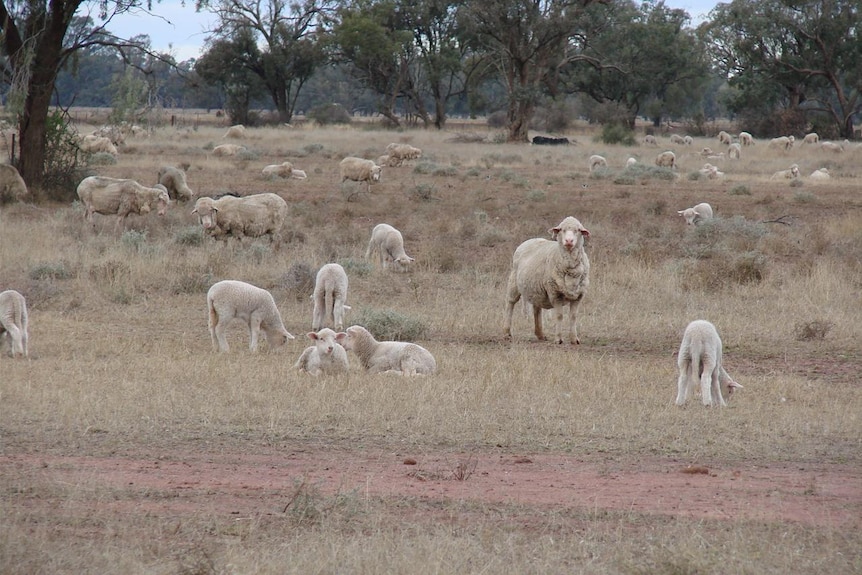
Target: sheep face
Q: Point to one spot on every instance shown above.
(206, 213)
(375, 173)
(163, 200)
(569, 233)
(325, 340)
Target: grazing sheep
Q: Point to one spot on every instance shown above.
(782, 142)
(282, 170)
(821, 174)
(231, 299)
(388, 244)
(677, 139)
(811, 138)
(697, 214)
(666, 160)
(400, 152)
(831, 147)
(108, 196)
(631, 162)
(326, 356)
(330, 297)
(227, 150)
(12, 186)
(711, 172)
(746, 139)
(734, 151)
(789, 174)
(724, 138)
(174, 180)
(360, 170)
(248, 216)
(236, 132)
(700, 359)
(688, 140)
(14, 322)
(92, 144)
(113, 133)
(386, 160)
(596, 162)
(550, 274)
(397, 357)
(649, 140)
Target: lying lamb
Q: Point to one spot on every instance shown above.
(388, 244)
(790, 174)
(700, 358)
(821, 174)
(282, 170)
(326, 356)
(697, 214)
(14, 322)
(397, 357)
(330, 297)
(551, 274)
(230, 299)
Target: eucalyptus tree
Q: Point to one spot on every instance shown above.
(797, 55)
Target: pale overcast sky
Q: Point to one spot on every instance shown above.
(182, 31)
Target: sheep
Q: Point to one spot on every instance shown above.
(396, 357)
(14, 322)
(388, 244)
(360, 170)
(677, 139)
(113, 133)
(282, 170)
(330, 297)
(231, 299)
(746, 139)
(734, 151)
(236, 132)
(711, 172)
(782, 142)
(326, 356)
(666, 160)
(92, 144)
(706, 152)
(811, 138)
(700, 358)
(12, 186)
(596, 162)
(400, 152)
(724, 138)
(107, 196)
(228, 150)
(688, 140)
(248, 216)
(790, 174)
(831, 147)
(174, 180)
(298, 174)
(386, 160)
(649, 140)
(631, 162)
(821, 174)
(699, 213)
(550, 274)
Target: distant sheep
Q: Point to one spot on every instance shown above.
(248, 216)
(782, 142)
(396, 357)
(724, 138)
(174, 180)
(700, 359)
(237, 132)
(109, 196)
(831, 147)
(225, 150)
(113, 133)
(811, 138)
(14, 322)
(677, 139)
(360, 170)
(699, 213)
(688, 140)
(631, 162)
(706, 152)
(550, 274)
(12, 186)
(298, 174)
(92, 144)
(231, 299)
(330, 297)
(282, 170)
(821, 174)
(649, 140)
(400, 152)
(547, 141)
(326, 356)
(746, 139)
(387, 244)
(734, 151)
(666, 160)
(387, 161)
(790, 174)
(711, 172)
(597, 162)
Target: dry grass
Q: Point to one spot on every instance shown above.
(121, 357)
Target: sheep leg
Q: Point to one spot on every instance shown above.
(14, 335)
(253, 332)
(219, 339)
(338, 313)
(317, 316)
(537, 323)
(682, 383)
(709, 371)
(510, 308)
(573, 323)
(717, 399)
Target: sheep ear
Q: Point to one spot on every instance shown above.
(585, 232)
(194, 211)
(339, 337)
(554, 232)
(733, 384)
(680, 213)
(312, 335)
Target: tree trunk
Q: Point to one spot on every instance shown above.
(520, 113)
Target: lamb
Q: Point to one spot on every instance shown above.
(700, 358)
(282, 170)
(677, 139)
(831, 147)
(231, 299)
(782, 142)
(397, 357)
(326, 356)
(248, 216)
(400, 152)
(699, 213)
(360, 170)
(237, 132)
(746, 139)
(666, 160)
(724, 138)
(706, 152)
(14, 322)
(330, 297)
(596, 162)
(550, 274)
(711, 172)
(811, 138)
(649, 140)
(388, 244)
(631, 162)
(92, 144)
(298, 174)
(734, 151)
(174, 180)
(821, 174)
(228, 150)
(12, 186)
(789, 174)
(107, 196)
(688, 140)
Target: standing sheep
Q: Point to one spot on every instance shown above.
(697, 214)
(12, 186)
(326, 356)
(650, 140)
(14, 322)
(831, 147)
(677, 139)
(700, 359)
(734, 151)
(397, 357)
(360, 170)
(811, 138)
(400, 152)
(746, 139)
(666, 160)
(782, 142)
(551, 274)
(330, 297)
(252, 216)
(230, 299)
(597, 162)
(724, 138)
(388, 244)
(107, 196)
(688, 140)
(174, 180)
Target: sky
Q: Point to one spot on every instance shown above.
(181, 31)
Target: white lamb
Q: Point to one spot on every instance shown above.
(228, 150)
(746, 139)
(700, 359)
(397, 357)
(724, 138)
(649, 140)
(330, 297)
(688, 140)
(326, 356)
(230, 299)
(631, 162)
(388, 244)
(298, 174)
(282, 170)
(831, 147)
(360, 170)
(551, 274)
(14, 322)
(597, 162)
(811, 138)
(821, 174)
(237, 131)
(734, 151)
(789, 174)
(677, 139)
(711, 172)
(666, 160)
(697, 214)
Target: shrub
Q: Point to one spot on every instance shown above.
(330, 114)
(61, 170)
(299, 280)
(134, 239)
(388, 325)
(739, 190)
(53, 270)
(423, 192)
(101, 159)
(810, 330)
(354, 267)
(615, 133)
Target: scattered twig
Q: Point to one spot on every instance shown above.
(779, 220)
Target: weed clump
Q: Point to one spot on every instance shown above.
(812, 330)
(390, 325)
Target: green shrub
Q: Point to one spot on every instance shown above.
(189, 236)
(615, 133)
(354, 267)
(739, 190)
(389, 325)
(52, 270)
(101, 159)
(134, 240)
(330, 114)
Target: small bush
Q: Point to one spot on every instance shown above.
(614, 133)
(354, 267)
(191, 283)
(803, 197)
(811, 330)
(389, 325)
(328, 114)
(101, 159)
(134, 240)
(299, 280)
(739, 190)
(247, 155)
(189, 236)
(53, 271)
(536, 195)
(423, 192)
